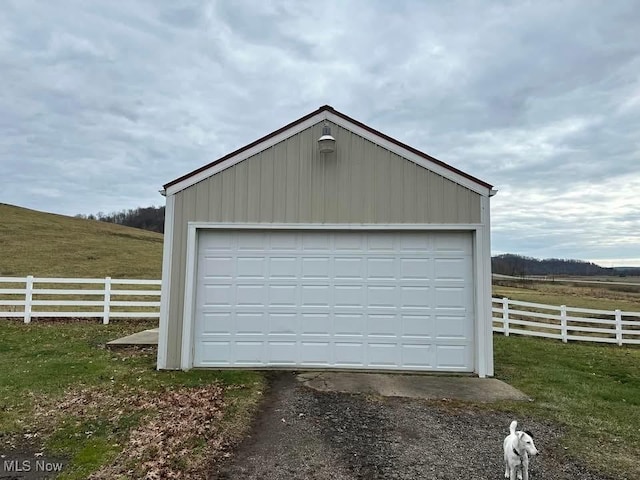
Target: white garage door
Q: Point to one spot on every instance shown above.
(334, 299)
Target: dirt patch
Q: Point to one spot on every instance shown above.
(306, 434)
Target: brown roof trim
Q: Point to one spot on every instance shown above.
(343, 116)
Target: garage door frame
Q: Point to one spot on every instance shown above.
(483, 351)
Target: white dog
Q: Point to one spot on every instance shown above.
(518, 446)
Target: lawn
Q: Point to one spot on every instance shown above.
(63, 393)
(592, 390)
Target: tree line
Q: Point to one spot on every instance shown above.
(518, 265)
(146, 218)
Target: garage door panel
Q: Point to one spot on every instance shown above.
(252, 295)
(316, 324)
(250, 323)
(351, 268)
(282, 241)
(363, 300)
(283, 295)
(349, 296)
(249, 352)
(218, 295)
(417, 326)
(450, 297)
(452, 242)
(283, 267)
(416, 268)
(349, 242)
(452, 327)
(381, 242)
(221, 323)
(348, 324)
(282, 352)
(219, 267)
(283, 324)
(349, 354)
(452, 269)
(381, 325)
(252, 268)
(316, 242)
(318, 295)
(382, 296)
(383, 354)
(216, 353)
(316, 353)
(452, 357)
(415, 297)
(417, 356)
(381, 268)
(316, 267)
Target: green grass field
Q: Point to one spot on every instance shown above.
(48, 245)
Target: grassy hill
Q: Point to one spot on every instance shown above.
(49, 245)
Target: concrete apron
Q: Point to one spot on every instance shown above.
(147, 338)
(429, 387)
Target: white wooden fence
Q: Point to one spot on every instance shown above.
(106, 298)
(566, 323)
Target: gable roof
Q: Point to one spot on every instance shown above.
(326, 112)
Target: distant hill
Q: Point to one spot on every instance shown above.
(518, 265)
(45, 244)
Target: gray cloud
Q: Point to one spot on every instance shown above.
(101, 103)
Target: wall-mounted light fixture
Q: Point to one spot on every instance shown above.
(326, 142)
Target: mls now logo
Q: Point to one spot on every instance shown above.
(34, 467)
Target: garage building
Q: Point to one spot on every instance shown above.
(327, 244)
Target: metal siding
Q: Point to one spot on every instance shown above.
(292, 185)
(359, 183)
(202, 201)
(279, 182)
(215, 198)
(253, 191)
(409, 195)
(266, 185)
(241, 197)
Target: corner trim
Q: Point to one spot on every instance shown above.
(188, 317)
(165, 289)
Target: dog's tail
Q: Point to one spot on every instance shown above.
(512, 427)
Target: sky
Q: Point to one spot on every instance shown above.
(103, 102)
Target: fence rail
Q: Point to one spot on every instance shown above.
(106, 298)
(565, 323)
(109, 298)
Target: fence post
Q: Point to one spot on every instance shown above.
(107, 300)
(28, 298)
(505, 315)
(563, 322)
(618, 326)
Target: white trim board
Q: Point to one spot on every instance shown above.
(318, 118)
(165, 289)
(482, 350)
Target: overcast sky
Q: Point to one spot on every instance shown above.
(103, 102)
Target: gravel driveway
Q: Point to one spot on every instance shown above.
(305, 434)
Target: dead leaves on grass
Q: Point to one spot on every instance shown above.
(178, 436)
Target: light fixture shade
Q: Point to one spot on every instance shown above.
(326, 142)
